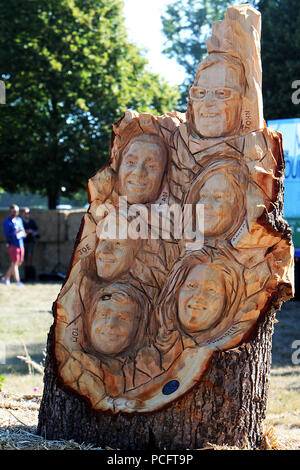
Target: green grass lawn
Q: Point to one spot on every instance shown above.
(283, 410)
(25, 318)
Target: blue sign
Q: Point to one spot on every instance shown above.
(290, 130)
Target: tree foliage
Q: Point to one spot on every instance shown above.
(70, 72)
(186, 25)
(280, 56)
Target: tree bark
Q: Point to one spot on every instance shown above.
(227, 407)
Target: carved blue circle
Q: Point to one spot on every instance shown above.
(170, 387)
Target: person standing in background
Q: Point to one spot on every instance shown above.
(32, 233)
(14, 233)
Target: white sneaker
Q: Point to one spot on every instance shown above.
(5, 281)
(20, 284)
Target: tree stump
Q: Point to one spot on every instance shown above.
(227, 407)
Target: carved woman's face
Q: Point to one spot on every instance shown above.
(115, 257)
(216, 101)
(220, 202)
(201, 299)
(141, 172)
(114, 323)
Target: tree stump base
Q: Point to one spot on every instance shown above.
(227, 407)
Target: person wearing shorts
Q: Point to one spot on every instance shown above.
(14, 233)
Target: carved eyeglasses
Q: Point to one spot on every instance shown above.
(222, 94)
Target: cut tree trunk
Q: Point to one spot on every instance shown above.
(227, 407)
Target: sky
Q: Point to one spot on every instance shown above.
(142, 19)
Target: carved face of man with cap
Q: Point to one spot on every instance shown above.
(114, 323)
(117, 320)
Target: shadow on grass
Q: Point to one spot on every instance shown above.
(291, 373)
(16, 366)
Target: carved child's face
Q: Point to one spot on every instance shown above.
(201, 299)
(115, 257)
(220, 205)
(141, 172)
(217, 102)
(114, 323)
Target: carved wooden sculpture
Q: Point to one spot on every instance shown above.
(140, 318)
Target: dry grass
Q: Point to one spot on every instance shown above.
(25, 317)
(19, 416)
(18, 420)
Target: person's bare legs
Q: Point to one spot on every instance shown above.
(9, 273)
(15, 271)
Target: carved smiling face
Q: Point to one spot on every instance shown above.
(216, 101)
(201, 299)
(114, 323)
(114, 254)
(141, 172)
(114, 257)
(220, 202)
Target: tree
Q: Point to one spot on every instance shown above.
(186, 25)
(280, 48)
(69, 73)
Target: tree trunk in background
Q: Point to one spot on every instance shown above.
(53, 197)
(227, 407)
